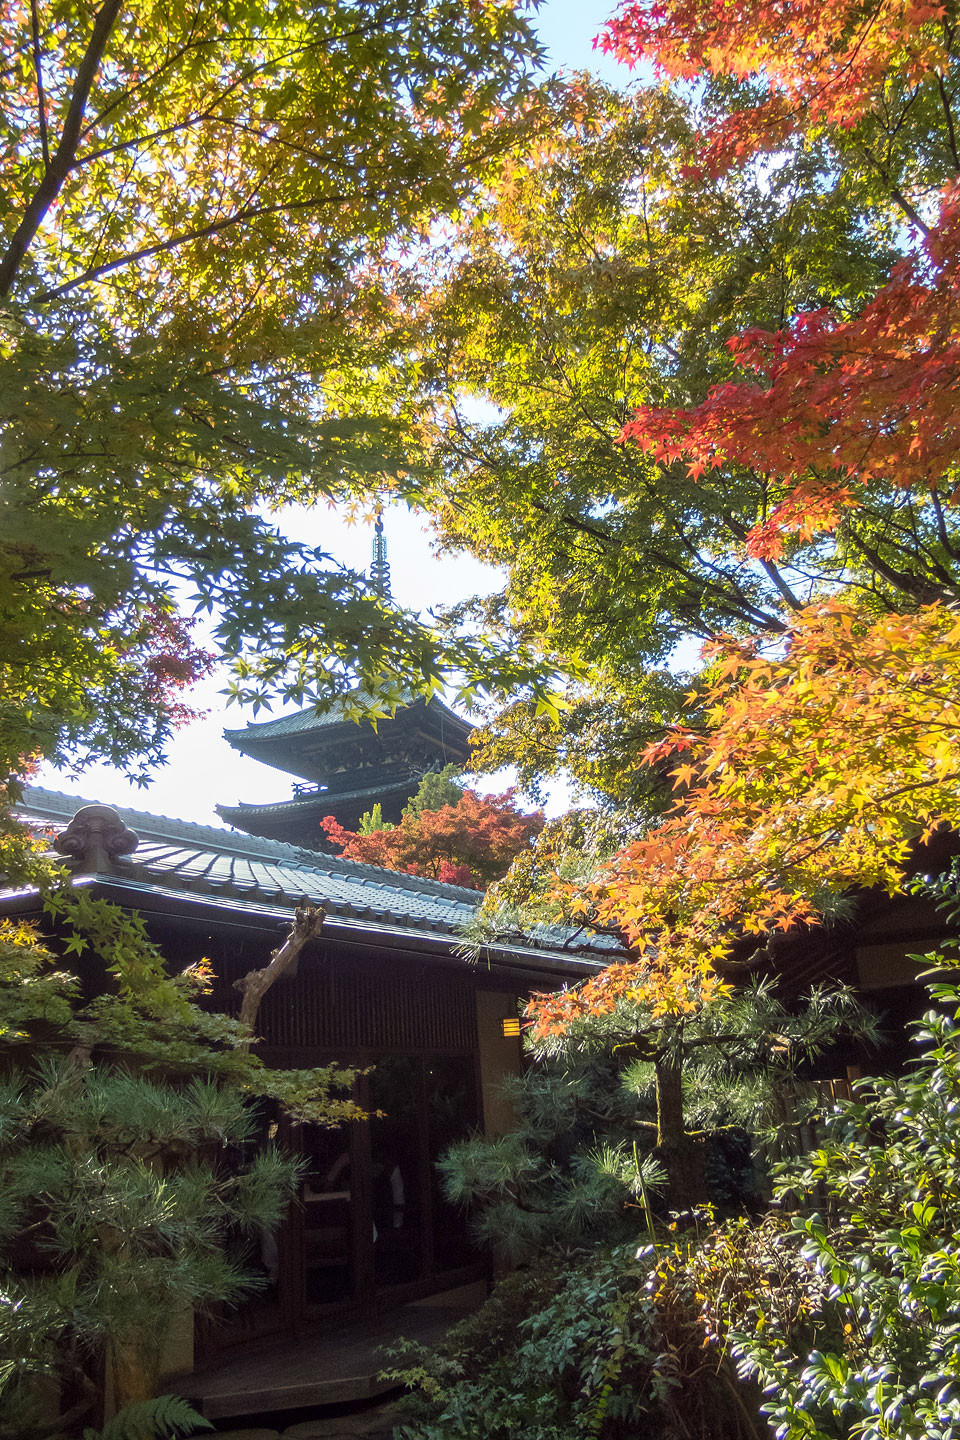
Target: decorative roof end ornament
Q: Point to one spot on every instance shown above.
(95, 839)
(380, 569)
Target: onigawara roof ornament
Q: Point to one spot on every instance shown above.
(95, 839)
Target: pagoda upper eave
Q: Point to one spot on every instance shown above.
(426, 735)
(298, 820)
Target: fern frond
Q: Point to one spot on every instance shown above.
(166, 1417)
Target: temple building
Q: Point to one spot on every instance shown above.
(344, 768)
(348, 768)
(385, 988)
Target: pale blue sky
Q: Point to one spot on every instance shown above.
(201, 768)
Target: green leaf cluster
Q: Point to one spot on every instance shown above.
(165, 1418)
(568, 1349)
(111, 1223)
(200, 210)
(135, 1170)
(609, 269)
(873, 1350)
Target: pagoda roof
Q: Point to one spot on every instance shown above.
(307, 722)
(317, 802)
(314, 802)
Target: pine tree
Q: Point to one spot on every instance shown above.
(630, 1111)
(121, 1122)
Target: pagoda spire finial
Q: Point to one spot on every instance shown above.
(380, 569)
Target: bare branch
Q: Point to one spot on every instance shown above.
(307, 924)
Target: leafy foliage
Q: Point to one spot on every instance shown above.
(165, 1418)
(596, 1354)
(839, 400)
(127, 1136)
(821, 766)
(199, 207)
(445, 832)
(713, 323)
(596, 274)
(836, 66)
(625, 1113)
(863, 1340)
(111, 1222)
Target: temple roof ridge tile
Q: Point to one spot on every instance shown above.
(167, 830)
(308, 719)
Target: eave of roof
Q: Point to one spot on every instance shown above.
(306, 722)
(247, 874)
(321, 802)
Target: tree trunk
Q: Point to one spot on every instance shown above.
(679, 1154)
(134, 1369)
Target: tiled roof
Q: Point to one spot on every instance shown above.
(180, 855)
(322, 801)
(307, 720)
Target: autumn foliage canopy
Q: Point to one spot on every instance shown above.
(817, 771)
(829, 402)
(814, 762)
(470, 842)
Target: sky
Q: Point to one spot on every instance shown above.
(201, 768)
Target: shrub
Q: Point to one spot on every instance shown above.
(854, 1329)
(603, 1351)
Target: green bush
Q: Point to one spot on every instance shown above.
(853, 1326)
(578, 1347)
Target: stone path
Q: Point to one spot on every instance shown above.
(326, 1368)
(374, 1423)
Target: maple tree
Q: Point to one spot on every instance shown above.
(831, 402)
(813, 770)
(831, 65)
(820, 769)
(199, 204)
(446, 833)
(620, 288)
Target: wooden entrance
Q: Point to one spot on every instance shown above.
(371, 1228)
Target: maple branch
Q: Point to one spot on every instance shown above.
(894, 189)
(126, 95)
(38, 71)
(61, 162)
(948, 113)
(919, 590)
(307, 924)
(584, 527)
(941, 522)
(774, 574)
(146, 252)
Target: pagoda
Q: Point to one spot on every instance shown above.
(345, 768)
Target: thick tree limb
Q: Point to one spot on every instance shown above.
(38, 72)
(307, 924)
(62, 160)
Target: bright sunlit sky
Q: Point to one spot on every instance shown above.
(202, 769)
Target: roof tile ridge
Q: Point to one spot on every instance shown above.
(170, 829)
(255, 847)
(305, 712)
(397, 879)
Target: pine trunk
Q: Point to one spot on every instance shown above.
(134, 1370)
(678, 1153)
